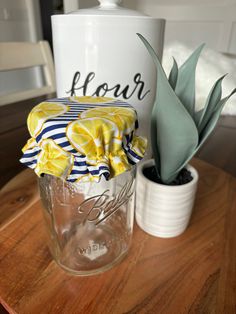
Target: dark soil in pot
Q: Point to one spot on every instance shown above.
(183, 177)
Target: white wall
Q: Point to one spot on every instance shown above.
(194, 21)
(73, 5)
(70, 5)
(190, 21)
(20, 21)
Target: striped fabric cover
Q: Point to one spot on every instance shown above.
(54, 130)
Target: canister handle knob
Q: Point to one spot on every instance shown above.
(106, 4)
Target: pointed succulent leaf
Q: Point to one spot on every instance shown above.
(175, 135)
(185, 86)
(224, 100)
(155, 149)
(173, 74)
(211, 102)
(207, 131)
(213, 119)
(197, 116)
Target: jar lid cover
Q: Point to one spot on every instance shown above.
(83, 138)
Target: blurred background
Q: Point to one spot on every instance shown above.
(188, 21)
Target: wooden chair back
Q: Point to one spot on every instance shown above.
(22, 55)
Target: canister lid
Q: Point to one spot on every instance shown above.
(109, 7)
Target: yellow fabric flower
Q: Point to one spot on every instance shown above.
(53, 159)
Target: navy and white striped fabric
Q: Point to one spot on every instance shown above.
(55, 129)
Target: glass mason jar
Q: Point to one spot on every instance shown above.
(89, 224)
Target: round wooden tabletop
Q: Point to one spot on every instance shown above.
(192, 273)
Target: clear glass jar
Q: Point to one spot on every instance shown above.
(89, 224)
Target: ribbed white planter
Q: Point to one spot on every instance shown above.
(161, 210)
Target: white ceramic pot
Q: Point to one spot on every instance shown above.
(97, 52)
(161, 210)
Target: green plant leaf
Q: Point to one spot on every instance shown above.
(173, 76)
(155, 149)
(174, 134)
(224, 100)
(185, 86)
(209, 128)
(213, 119)
(197, 116)
(211, 102)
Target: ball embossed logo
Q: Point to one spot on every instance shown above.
(98, 208)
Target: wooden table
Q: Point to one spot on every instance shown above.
(192, 273)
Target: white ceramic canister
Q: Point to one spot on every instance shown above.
(97, 52)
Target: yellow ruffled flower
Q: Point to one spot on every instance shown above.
(53, 159)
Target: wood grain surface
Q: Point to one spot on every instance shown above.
(17, 196)
(192, 273)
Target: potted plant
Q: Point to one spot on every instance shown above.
(166, 185)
